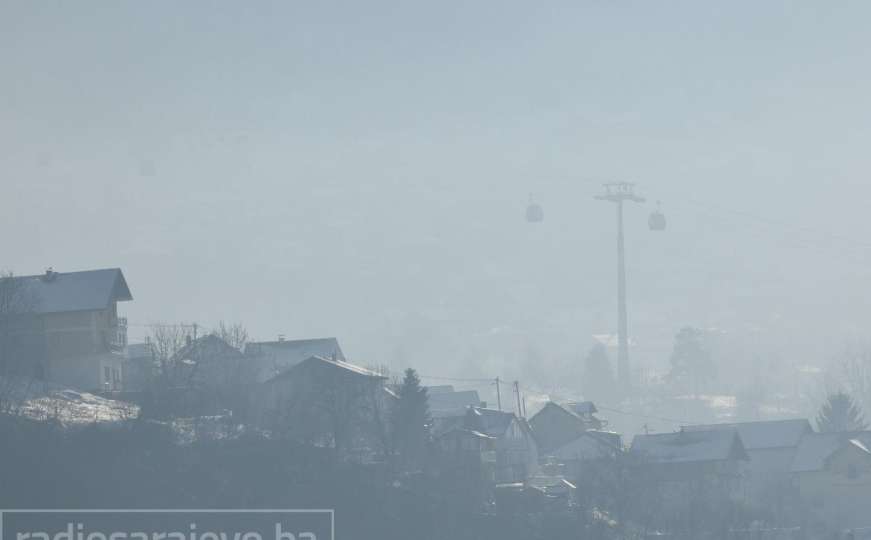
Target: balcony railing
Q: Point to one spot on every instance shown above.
(118, 335)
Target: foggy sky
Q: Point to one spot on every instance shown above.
(362, 169)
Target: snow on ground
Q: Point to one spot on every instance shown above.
(40, 400)
(205, 428)
(714, 402)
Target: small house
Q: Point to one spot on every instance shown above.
(64, 327)
(516, 449)
(556, 425)
(446, 404)
(771, 447)
(327, 402)
(832, 472)
(688, 464)
(274, 357)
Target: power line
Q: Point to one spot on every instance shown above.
(783, 224)
(647, 416)
(455, 379)
(772, 224)
(164, 325)
(681, 422)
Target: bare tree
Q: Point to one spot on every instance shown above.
(17, 303)
(166, 340)
(850, 370)
(208, 375)
(235, 334)
(18, 352)
(13, 394)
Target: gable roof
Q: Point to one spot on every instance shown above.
(444, 424)
(689, 447)
(816, 448)
(555, 425)
(88, 290)
(320, 362)
(764, 434)
(490, 421)
(494, 423)
(459, 431)
(439, 389)
(288, 353)
(582, 407)
(207, 347)
(552, 407)
(452, 403)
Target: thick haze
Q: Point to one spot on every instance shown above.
(362, 169)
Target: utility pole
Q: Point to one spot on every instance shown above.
(517, 395)
(617, 193)
(498, 395)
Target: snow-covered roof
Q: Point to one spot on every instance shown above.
(345, 367)
(463, 432)
(89, 290)
(492, 422)
(816, 448)
(549, 482)
(764, 434)
(582, 408)
(688, 447)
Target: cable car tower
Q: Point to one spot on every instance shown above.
(617, 193)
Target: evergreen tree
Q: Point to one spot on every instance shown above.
(598, 383)
(840, 413)
(411, 421)
(690, 358)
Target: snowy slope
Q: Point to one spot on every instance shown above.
(40, 400)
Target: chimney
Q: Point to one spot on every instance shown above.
(50, 274)
(280, 337)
